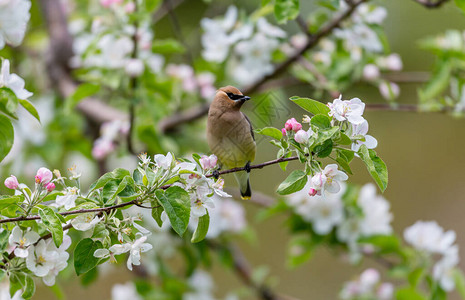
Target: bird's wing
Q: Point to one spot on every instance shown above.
(250, 124)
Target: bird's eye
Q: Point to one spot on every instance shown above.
(234, 96)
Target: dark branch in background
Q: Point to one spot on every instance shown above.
(170, 123)
(177, 28)
(133, 85)
(59, 54)
(243, 270)
(431, 3)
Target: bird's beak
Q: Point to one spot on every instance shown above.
(244, 98)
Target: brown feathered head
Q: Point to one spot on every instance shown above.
(229, 97)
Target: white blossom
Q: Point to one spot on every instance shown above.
(329, 180)
(443, 270)
(68, 199)
(135, 249)
(163, 161)
(350, 110)
(376, 216)
(371, 14)
(371, 72)
(14, 15)
(126, 291)
(21, 241)
(389, 90)
(362, 130)
(270, 30)
(85, 222)
(429, 237)
(12, 81)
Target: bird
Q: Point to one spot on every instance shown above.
(230, 135)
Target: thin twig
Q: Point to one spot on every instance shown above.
(192, 114)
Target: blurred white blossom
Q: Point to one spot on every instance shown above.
(14, 15)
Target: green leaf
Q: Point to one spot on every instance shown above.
(414, 278)
(310, 105)
(438, 83)
(384, 243)
(83, 91)
(17, 282)
(460, 4)
(6, 201)
(30, 108)
(271, 131)
(177, 205)
(53, 224)
(343, 139)
(300, 250)
(4, 235)
(29, 289)
(156, 214)
(325, 149)
(285, 10)
(321, 122)
(409, 294)
(293, 183)
(84, 259)
(6, 136)
(167, 46)
(375, 166)
(118, 173)
(8, 102)
(341, 160)
(151, 5)
(202, 228)
(459, 279)
(112, 189)
(347, 154)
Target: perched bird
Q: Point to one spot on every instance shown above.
(230, 135)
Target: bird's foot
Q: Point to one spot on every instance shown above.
(247, 167)
(216, 174)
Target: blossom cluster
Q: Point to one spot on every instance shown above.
(431, 239)
(249, 44)
(367, 286)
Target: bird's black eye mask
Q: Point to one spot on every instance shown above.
(236, 97)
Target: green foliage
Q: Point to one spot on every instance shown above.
(409, 294)
(84, 259)
(202, 228)
(375, 166)
(293, 183)
(177, 205)
(83, 91)
(285, 10)
(271, 131)
(6, 136)
(310, 105)
(53, 224)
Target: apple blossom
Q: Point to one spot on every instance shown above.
(347, 110)
(371, 72)
(125, 291)
(328, 180)
(301, 136)
(325, 213)
(270, 30)
(389, 90)
(208, 162)
(429, 237)
(39, 260)
(11, 182)
(14, 15)
(84, 222)
(43, 176)
(68, 199)
(135, 249)
(443, 270)
(163, 161)
(376, 216)
(283, 131)
(362, 130)
(12, 81)
(134, 67)
(21, 241)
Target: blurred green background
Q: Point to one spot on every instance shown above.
(424, 153)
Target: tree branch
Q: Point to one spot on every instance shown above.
(431, 3)
(170, 123)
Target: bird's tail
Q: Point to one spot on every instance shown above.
(244, 185)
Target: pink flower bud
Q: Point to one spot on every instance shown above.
(130, 7)
(43, 176)
(284, 131)
(297, 126)
(208, 162)
(288, 124)
(50, 186)
(11, 182)
(312, 192)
